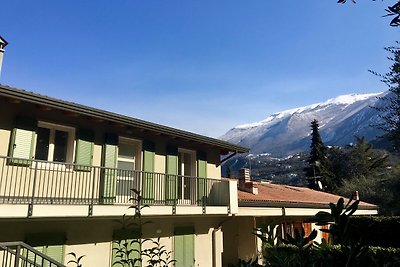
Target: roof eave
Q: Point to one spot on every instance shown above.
(287, 204)
(34, 98)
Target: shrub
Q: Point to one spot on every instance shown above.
(375, 231)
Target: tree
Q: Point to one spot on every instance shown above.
(318, 160)
(390, 113)
(391, 11)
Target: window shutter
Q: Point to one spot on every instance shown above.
(201, 174)
(125, 246)
(50, 244)
(56, 252)
(84, 150)
(172, 175)
(148, 175)
(22, 140)
(184, 247)
(110, 153)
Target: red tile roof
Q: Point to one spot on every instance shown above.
(274, 193)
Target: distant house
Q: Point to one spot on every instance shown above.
(262, 203)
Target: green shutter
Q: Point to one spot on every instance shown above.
(21, 146)
(56, 252)
(201, 173)
(110, 154)
(84, 150)
(171, 192)
(148, 168)
(126, 246)
(184, 247)
(50, 244)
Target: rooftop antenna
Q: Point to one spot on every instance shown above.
(3, 43)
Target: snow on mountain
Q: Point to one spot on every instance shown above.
(287, 132)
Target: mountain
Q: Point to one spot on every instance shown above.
(288, 132)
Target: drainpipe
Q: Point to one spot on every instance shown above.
(214, 246)
(214, 242)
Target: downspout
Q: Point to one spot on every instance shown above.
(214, 246)
(214, 242)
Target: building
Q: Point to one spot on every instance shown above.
(66, 171)
(287, 207)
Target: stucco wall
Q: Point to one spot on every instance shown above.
(92, 237)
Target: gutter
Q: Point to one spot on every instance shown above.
(278, 204)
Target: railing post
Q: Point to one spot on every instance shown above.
(17, 254)
(30, 206)
(93, 190)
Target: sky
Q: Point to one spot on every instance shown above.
(201, 66)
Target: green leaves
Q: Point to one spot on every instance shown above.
(76, 260)
(337, 219)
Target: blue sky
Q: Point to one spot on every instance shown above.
(202, 66)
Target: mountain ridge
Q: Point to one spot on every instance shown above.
(287, 132)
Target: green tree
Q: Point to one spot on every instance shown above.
(391, 11)
(317, 161)
(390, 113)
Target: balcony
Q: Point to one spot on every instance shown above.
(36, 182)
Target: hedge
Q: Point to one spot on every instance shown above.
(327, 256)
(375, 231)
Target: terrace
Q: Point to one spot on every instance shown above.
(37, 182)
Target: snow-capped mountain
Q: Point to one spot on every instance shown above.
(287, 132)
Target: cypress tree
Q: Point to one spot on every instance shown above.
(317, 161)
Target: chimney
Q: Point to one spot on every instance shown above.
(245, 183)
(3, 43)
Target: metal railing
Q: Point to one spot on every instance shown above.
(19, 254)
(41, 182)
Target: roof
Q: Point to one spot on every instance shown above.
(22, 95)
(285, 195)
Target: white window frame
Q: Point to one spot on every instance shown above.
(138, 154)
(137, 160)
(193, 171)
(70, 143)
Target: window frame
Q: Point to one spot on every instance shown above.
(193, 161)
(69, 158)
(138, 155)
(138, 161)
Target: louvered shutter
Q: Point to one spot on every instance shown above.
(22, 141)
(201, 174)
(171, 176)
(184, 247)
(84, 150)
(126, 245)
(56, 252)
(148, 175)
(110, 153)
(50, 244)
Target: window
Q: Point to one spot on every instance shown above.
(54, 142)
(186, 170)
(128, 161)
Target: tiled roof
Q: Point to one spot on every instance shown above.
(274, 193)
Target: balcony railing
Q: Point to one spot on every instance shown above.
(19, 254)
(41, 182)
